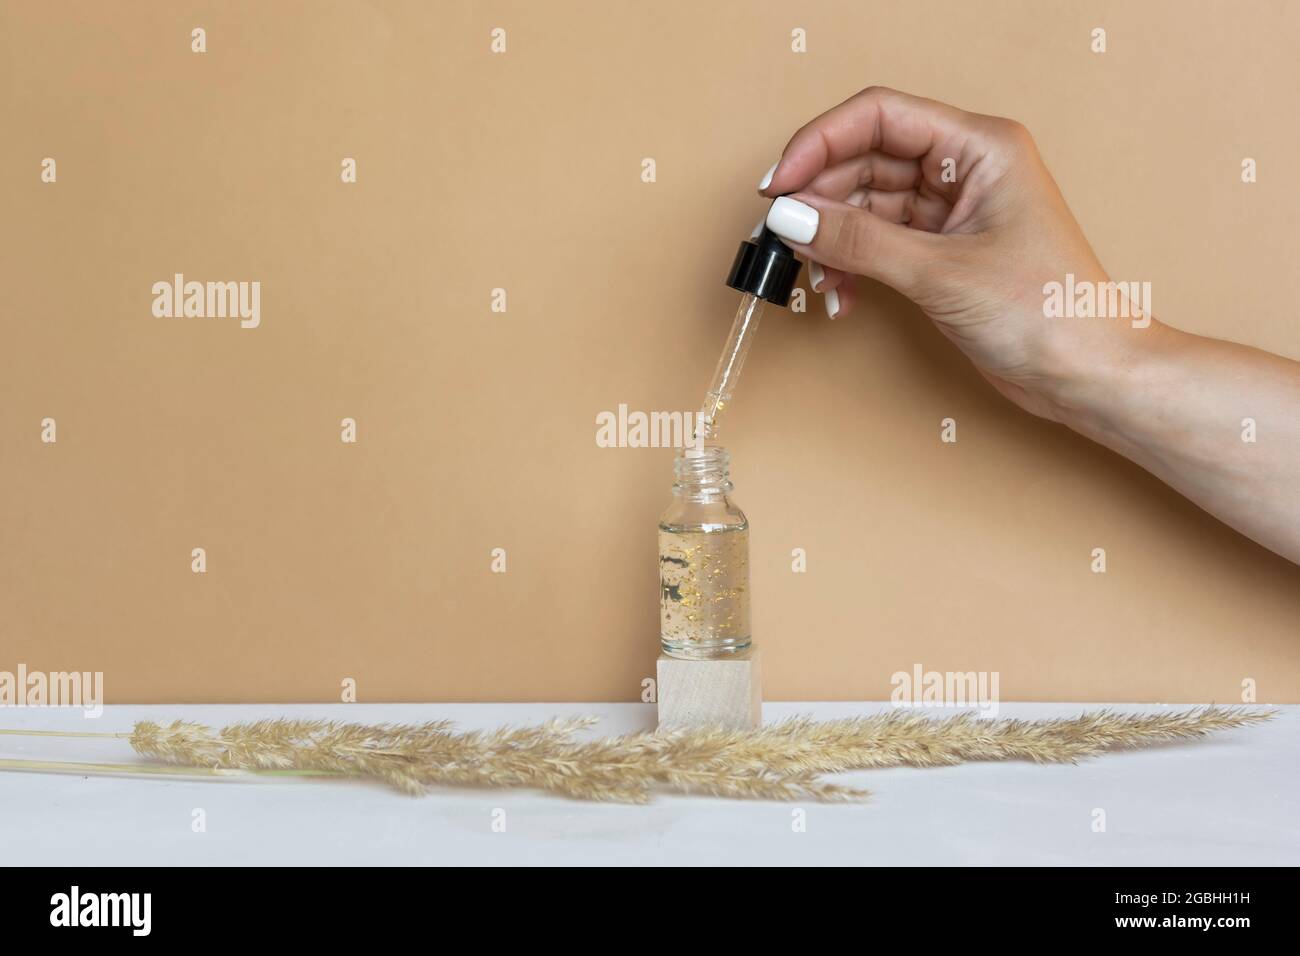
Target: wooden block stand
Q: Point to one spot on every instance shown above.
(723, 693)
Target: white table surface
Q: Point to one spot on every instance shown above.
(1228, 800)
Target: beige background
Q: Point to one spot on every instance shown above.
(477, 429)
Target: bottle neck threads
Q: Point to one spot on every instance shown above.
(702, 473)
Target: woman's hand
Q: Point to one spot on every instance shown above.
(958, 212)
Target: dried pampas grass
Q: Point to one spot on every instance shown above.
(415, 757)
(782, 762)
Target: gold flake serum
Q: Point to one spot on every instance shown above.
(703, 537)
(703, 562)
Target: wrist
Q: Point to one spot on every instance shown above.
(1102, 377)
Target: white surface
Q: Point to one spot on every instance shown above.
(1229, 799)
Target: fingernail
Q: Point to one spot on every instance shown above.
(857, 198)
(793, 220)
(816, 275)
(767, 177)
(757, 230)
(832, 302)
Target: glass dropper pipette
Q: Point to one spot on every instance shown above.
(765, 270)
(732, 361)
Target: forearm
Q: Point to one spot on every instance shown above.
(1217, 421)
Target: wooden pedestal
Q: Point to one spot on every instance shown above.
(723, 693)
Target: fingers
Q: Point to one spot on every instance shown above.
(896, 207)
(820, 279)
(835, 285)
(841, 236)
(817, 278)
(912, 207)
(839, 300)
(874, 170)
(879, 119)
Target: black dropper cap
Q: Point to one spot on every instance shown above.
(765, 267)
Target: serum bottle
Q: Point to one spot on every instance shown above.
(703, 537)
(703, 562)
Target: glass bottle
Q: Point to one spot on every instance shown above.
(703, 561)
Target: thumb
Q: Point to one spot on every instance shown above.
(842, 236)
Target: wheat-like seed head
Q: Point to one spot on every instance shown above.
(783, 761)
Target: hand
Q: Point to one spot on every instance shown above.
(956, 211)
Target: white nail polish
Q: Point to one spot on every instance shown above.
(757, 229)
(767, 178)
(832, 302)
(793, 220)
(816, 275)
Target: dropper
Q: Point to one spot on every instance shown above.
(730, 363)
(765, 270)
